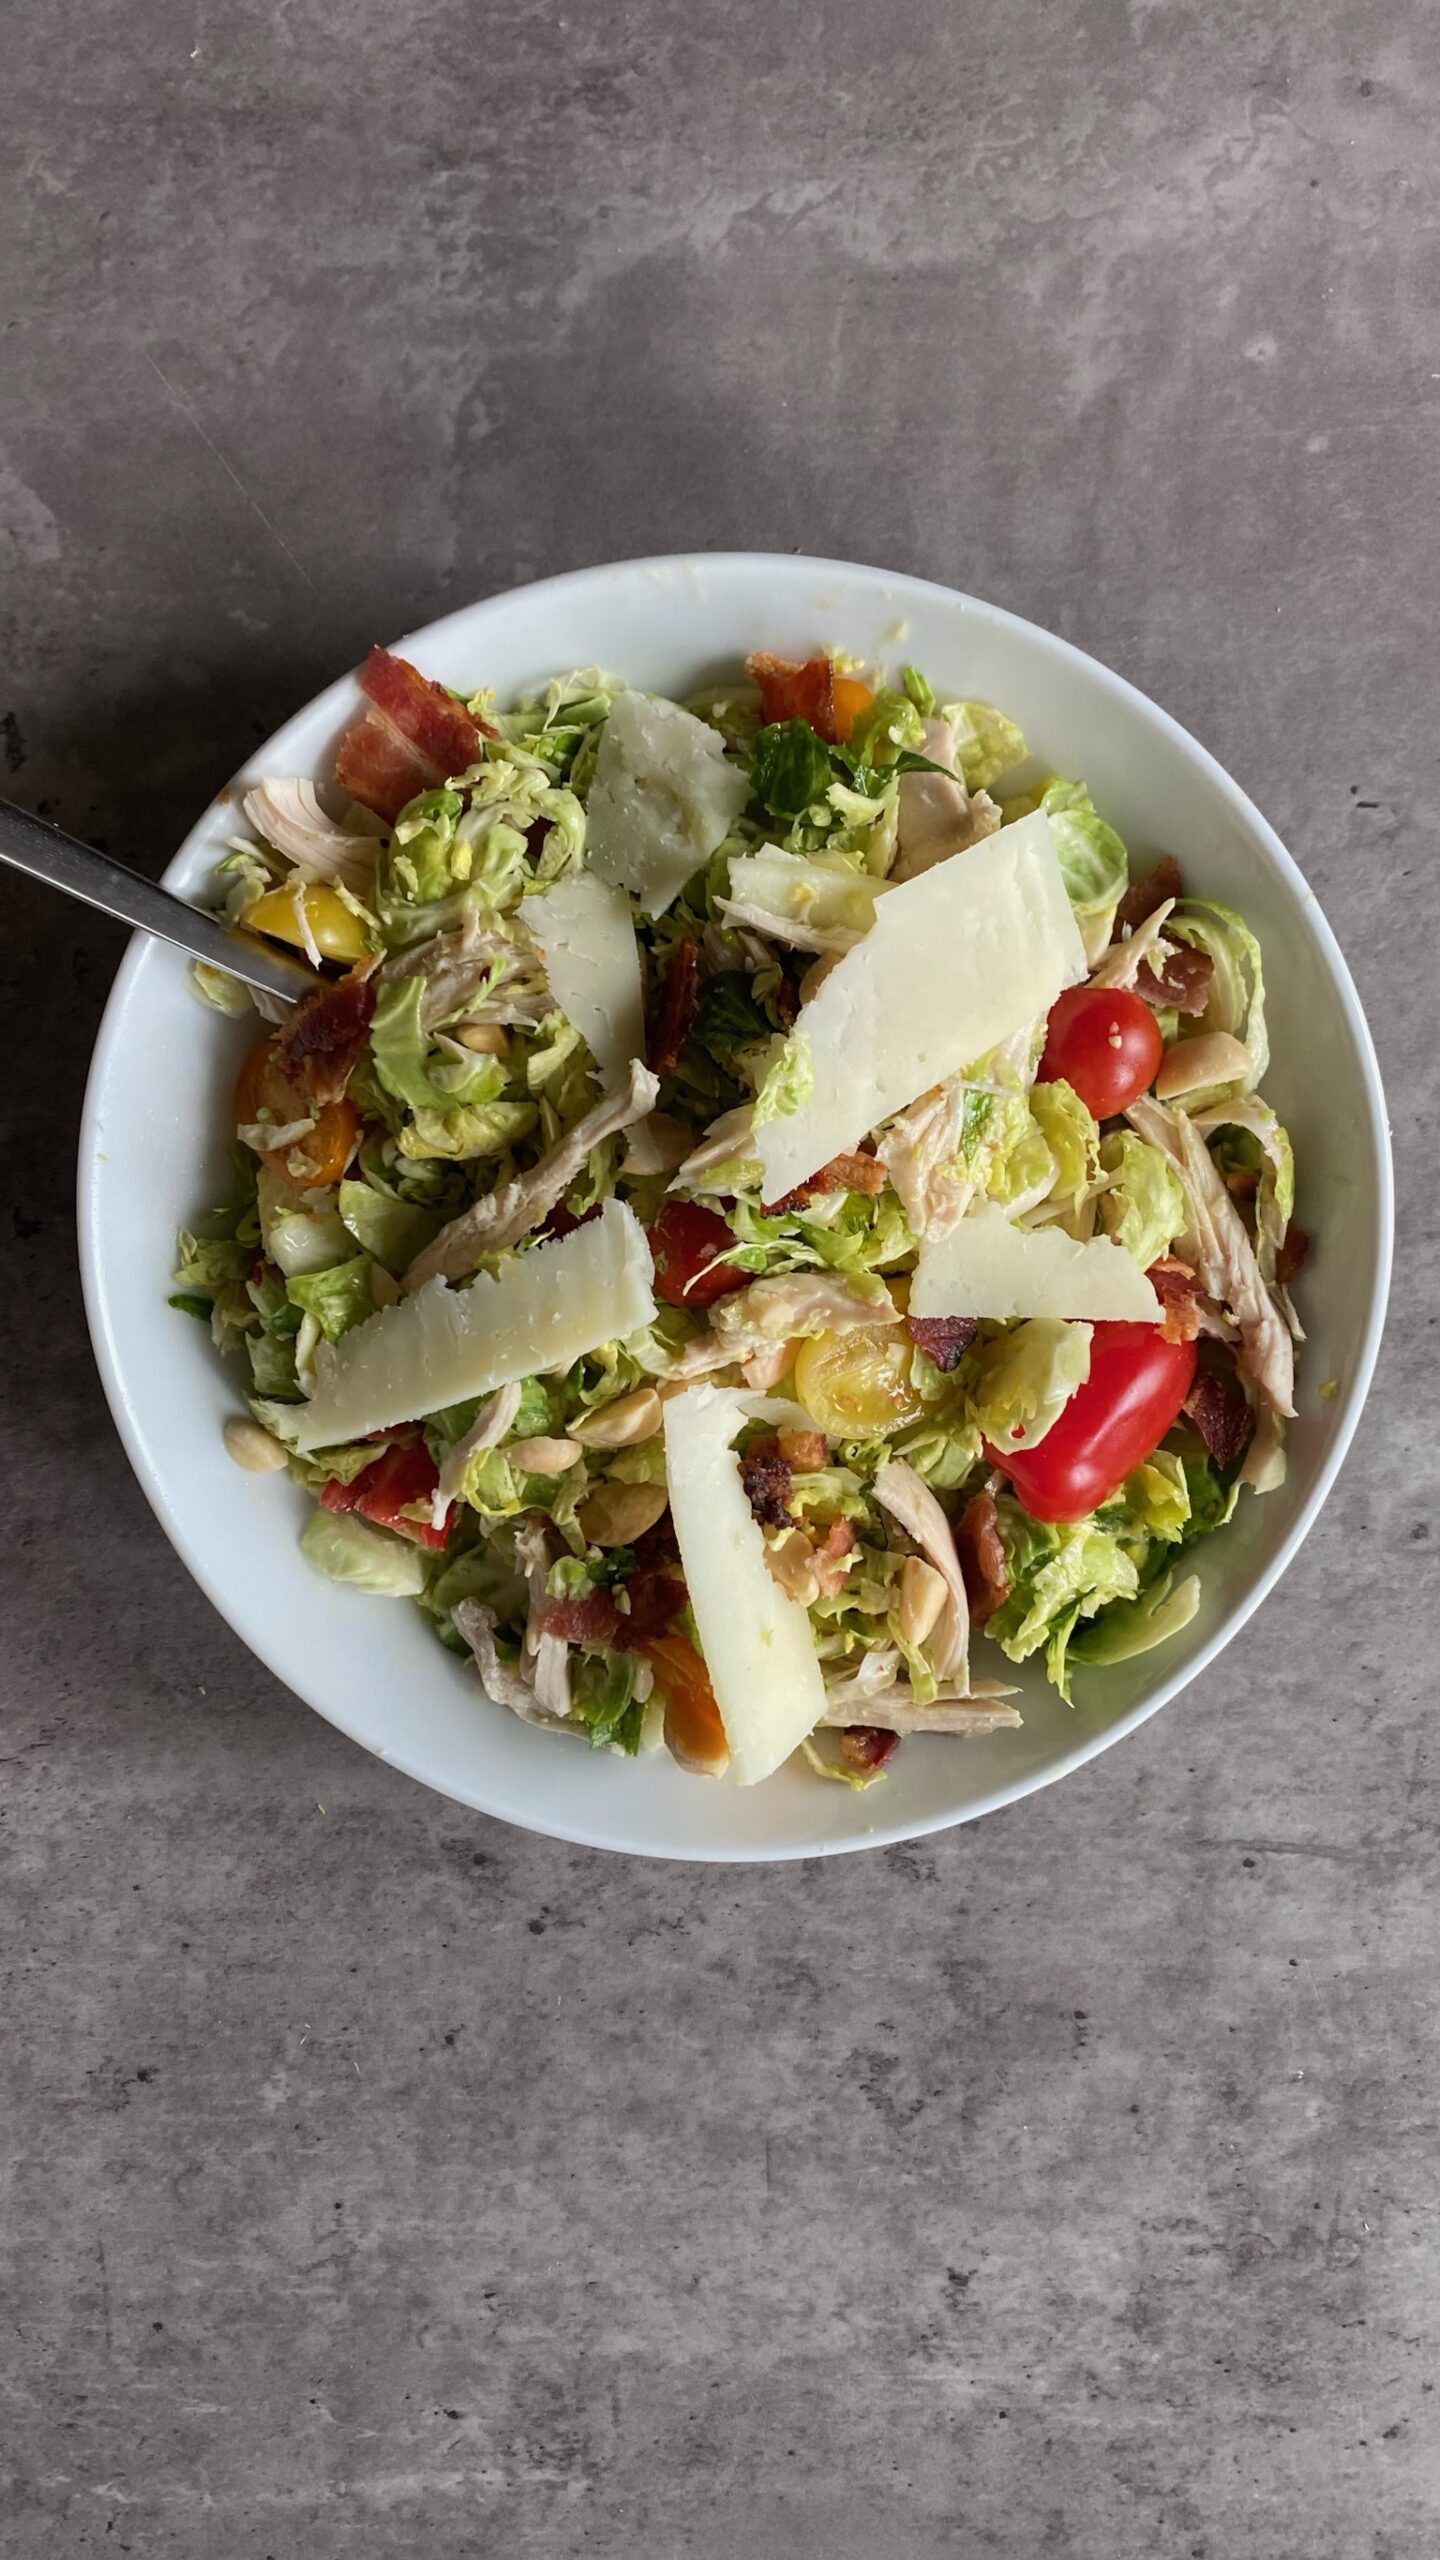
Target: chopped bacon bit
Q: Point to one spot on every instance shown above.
(1143, 896)
(1290, 1259)
(943, 1339)
(563, 1221)
(842, 1173)
(593, 1620)
(766, 1478)
(412, 736)
(324, 1036)
(866, 1747)
(1178, 1291)
(654, 1598)
(674, 1010)
(981, 1551)
(787, 1002)
(790, 691)
(832, 1556)
(400, 1480)
(1182, 981)
(1216, 1405)
(803, 1450)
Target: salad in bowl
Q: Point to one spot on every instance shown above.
(765, 1225)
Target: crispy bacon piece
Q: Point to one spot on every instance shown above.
(324, 1036)
(1290, 1260)
(676, 1000)
(1143, 896)
(766, 1478)
(594, 1620)
(412, 736)
(1217, 1407)
(866, 1747)
(792, 691)
(832, 1556)
(1182, 980)
(842, 1173)
(787, 1002)
(981, 1551)
(655, 1597)
(1178, 1291)
(803, 1450)
(943, 1339)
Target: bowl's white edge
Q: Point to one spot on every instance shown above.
(1357, 1382)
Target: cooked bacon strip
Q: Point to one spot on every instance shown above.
(1178, 1291)
(1217, 1406)
(790, 691)
(766, 1478)
(832, 1557)
(866, 1747)
(319, 1045)
(412, 736)
(593, 1620)
(676, 1001)
(1182, 980)
(842, 1173)
(1144, 896)
(1290, 1260)
(981, 1550)
(943, 1339)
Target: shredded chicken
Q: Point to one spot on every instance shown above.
(486, 1432)
(1220, 1253)
(920, 1151)
(938, 816)
(728, 1140)
(547, 1653)
(1121, 964)
(457, 966)
(875, 1694)
(911, 1504)
(507, 1214)
(289, 816)
(765, 1369)
(507, 1685)
(790, 929)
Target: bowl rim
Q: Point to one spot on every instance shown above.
(1360, 1370)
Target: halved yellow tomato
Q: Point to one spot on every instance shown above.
(336, 932)
(853, 1383)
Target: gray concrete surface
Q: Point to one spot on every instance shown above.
(378, 2180)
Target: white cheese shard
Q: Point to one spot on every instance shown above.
(592, 960)
(540, 1312)
(984, 1266)
(954, 962)
(758, 1647)
(663, 797)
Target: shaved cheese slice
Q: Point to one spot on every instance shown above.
(592, 960)
(987, 1267)
(540, 1312)
(757, 1643)
(954, 962)
(663, 797)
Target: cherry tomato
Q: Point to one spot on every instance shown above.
(1138, 1381)
(336, 933)
(264, 1084)
(860, 1381)
(685, 1240)
(851, 697)
(403, 1475)
(1106, 1043)
(694, 1731)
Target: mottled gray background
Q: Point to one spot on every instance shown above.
(380, 2180)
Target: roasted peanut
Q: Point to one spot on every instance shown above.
(614, 1514)
(620, 1425)
(803, 1450)
(542, 1457)
(483, 1039)
(251, 1447)
(922, 1597)
(791, 1560)
(384, 1287)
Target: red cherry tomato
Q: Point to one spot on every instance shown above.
(685, 1240)
(403, 1474)
(1106, 1043)
(1138, 1381)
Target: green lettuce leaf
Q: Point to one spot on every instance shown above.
(888, 725)
(1072, 1135)
(1128, 1627)
(920, 690)
(348, 1549)
(986, 743)
(789, 768)
(1236, 1001)
(392, 1231)
(1144, 1209)
(338, 1298)
(462, 1135)
(1093, 861)
(1025, 1378)
(1060, 1573)
(603, 1700)
(789, 1084)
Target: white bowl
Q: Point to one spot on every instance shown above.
(153, 1152)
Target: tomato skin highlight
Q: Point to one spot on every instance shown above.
(264, 1083)
(684, 1240)
(1106, 1043)
(1137, 1384)
(404, 1473)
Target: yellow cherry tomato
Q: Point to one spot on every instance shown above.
(854, 1383)
(337, 933)
(849, 699)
